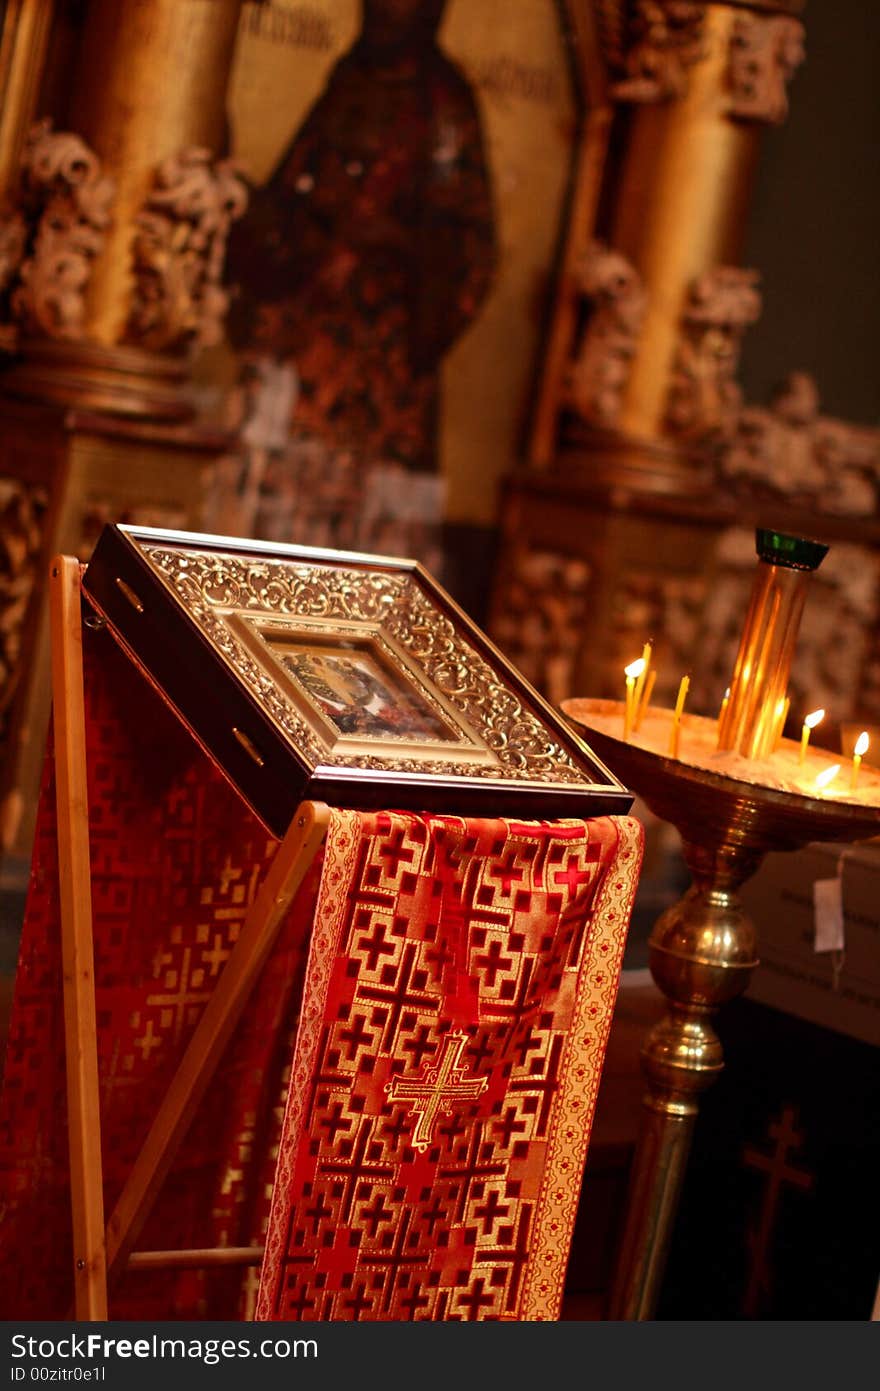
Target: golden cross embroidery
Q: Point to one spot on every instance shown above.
(442, 1082)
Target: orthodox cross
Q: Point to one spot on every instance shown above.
(778, 1172)
(442, 1083)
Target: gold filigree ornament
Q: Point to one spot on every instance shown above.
(354, 676)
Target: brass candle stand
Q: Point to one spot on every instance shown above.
(730, 812)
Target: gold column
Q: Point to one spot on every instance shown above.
(151, 82)
(680, 209)
(149, 93)
(114, 270)
(26, 25)
(650, 388)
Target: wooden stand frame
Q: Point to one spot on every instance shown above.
(99, 1254)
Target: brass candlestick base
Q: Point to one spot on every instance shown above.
(703, 948)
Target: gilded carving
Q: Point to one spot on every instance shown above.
(666, 38)
(212, 585)
(790, 450)
(179, 252)
(598, 375)
(542, 616)
(64, 204)
(22, 508)
(704, 399)
(765, 52)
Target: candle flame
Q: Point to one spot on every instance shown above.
(635, 669)
(727, 694)
(862, 744)
(812, 720)
(829, 774)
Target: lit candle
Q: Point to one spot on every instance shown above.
(646, 697)
(860, 750)
(640, 684)
(810, 722)
(781, 717)
(632, 674)
(675, 732)
(825, 778)
(721, 714)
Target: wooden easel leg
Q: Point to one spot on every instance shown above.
(74, 872)
(213, 1031)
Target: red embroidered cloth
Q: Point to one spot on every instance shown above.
(176, 860)
(460, 981)
(458, 996)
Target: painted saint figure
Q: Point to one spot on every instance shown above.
(360, 698)
(364, 257)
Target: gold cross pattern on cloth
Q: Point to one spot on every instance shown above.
(442, 1083)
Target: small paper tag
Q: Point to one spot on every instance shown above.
(828, 914)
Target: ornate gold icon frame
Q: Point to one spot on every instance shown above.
(350, 678)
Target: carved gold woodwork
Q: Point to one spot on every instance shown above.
(648, 388)
(51, 242)
(542, 618)
(765, 52)
(179, 251)
(66, 198)
(665, 40)
(541, 614)
(598, 374)
(649, 46)
(50, 234)
(587, 574)
(704, 397)
(105, 299)
(790, 450)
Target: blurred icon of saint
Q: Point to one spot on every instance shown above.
(360, 262)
